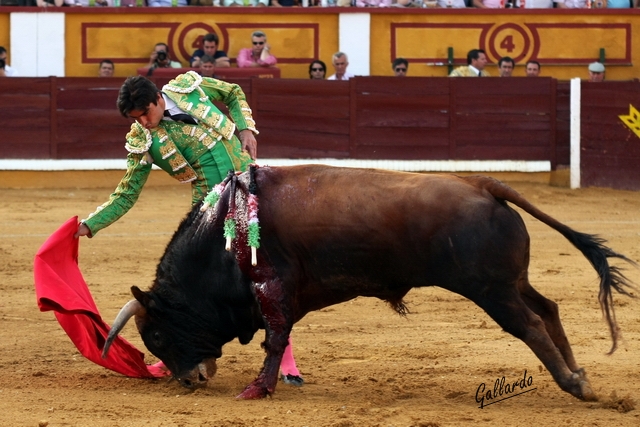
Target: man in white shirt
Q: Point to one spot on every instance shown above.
(8, 70)
(340, 64)
(535, 4)
(455, 4)
(476, 60)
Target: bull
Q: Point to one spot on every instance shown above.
(328, 235)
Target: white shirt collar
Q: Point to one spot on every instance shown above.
(475, 69)
(172, 107)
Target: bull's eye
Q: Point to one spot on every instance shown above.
(157, 339)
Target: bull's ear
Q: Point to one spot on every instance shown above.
(141, 296)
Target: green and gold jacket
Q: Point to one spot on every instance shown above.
(199, 154)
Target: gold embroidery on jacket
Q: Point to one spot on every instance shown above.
(177, 162)
(201, 110)
(228, 128)
(186, 176)
(167, 150)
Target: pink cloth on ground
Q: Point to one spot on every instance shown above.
(288, 364)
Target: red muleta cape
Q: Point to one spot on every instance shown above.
(60, 287)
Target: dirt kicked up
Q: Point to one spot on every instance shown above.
(363, 364)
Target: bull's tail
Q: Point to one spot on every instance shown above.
(591, 246)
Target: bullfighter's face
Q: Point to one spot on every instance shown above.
(152, 115)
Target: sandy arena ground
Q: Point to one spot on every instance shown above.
(363, 364)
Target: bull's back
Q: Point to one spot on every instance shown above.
(376, 232)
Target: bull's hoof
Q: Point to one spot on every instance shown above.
(253, 392)
(583, 388)
(587, 392)
(295, 380)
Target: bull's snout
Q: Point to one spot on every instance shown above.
(193, 383)
(199, 375)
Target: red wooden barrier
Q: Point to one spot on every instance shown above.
(25, 118)
(89, 125)
(364, 118)
(302, 118)
(610, 151)
(402, 118)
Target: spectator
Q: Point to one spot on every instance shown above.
(456, 4)
(506, 64)
(47, 3)
(533, 68)
(106, 68)
(166, 3)
(210, 44)
(572, 4)
(317, 70)
(254, 3)
(86, 3)
(476, 60)
(340, 62)
(3, 72)
(596, 72)
(207, 66)
(400, 67)
(284, 3)
(617, 4)
(8, 71)
(373, 3)
(161, 58)
(257, 56)
(535, 4)
(493, 4)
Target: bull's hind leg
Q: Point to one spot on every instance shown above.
(509, 310)
(548, 312)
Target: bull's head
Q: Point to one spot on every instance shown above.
(180, 340)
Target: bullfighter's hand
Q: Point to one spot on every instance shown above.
(249, 143)
(83, 230)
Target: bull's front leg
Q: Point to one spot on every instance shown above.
(276, 312)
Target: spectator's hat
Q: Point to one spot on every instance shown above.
(596, 67)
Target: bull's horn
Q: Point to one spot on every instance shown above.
(129, 310)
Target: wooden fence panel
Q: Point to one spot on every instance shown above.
(367, 118)
(302, 119)
(503, 119)
(401, 118)
(610, 151)
(25, 119)
(89, 126)
(563, 123)
(77, 93)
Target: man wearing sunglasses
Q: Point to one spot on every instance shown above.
(400, 67)
(258, 55)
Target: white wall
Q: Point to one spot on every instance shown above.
(354, 40)
(38, 44)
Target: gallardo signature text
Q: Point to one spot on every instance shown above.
(502, 388)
